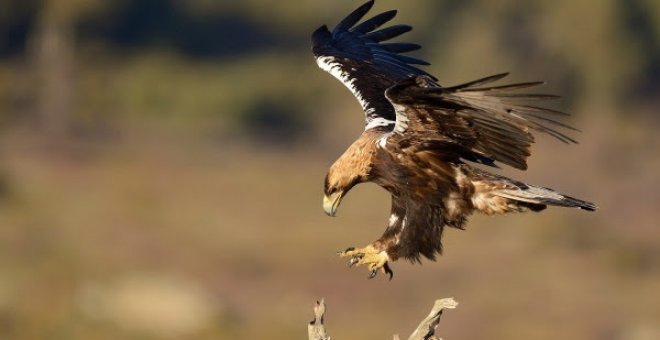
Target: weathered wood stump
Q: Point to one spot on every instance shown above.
(425, 330)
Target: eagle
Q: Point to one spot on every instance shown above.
(429, 145)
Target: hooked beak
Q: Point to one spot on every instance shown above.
(331, 202)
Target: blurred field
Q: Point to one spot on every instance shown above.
(166, 183)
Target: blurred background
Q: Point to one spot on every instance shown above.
(162, 161)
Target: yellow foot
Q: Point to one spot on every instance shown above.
(375, 259)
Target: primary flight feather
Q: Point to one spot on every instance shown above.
(420, 138)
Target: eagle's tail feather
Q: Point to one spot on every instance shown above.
(540, 196)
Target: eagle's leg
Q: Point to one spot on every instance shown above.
(375, 259)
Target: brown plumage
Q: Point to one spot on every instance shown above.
(420, 139)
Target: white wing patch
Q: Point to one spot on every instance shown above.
(331, 65)
(376, 122)
(382, 141)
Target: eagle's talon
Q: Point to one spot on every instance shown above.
(388, 270)
(346, 251)
(375, 259)
(355, 259)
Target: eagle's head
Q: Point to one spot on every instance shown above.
(337, 185)
(352, 168)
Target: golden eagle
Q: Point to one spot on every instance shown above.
(420, 139)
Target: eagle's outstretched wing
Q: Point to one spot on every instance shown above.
(358, 57)
(492, 121)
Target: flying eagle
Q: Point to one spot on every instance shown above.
(421, 140)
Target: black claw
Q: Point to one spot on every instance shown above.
(341, 252)
(388, 270)
(373, 273)
(355, 259)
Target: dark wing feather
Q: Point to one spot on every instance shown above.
(353, 18)
(387, 33)
(357, 54)
(397, 47)
(375, 22)
(492, 121)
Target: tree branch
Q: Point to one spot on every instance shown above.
(425, 330)
(315, 328)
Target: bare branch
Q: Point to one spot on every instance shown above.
(316, 329)
(426, 329)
